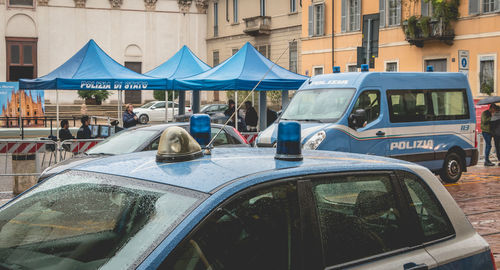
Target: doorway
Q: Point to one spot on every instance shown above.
(132, 96)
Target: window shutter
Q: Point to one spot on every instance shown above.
(321, 31)
(382, 12)
(424, 7)
(358, 16)
(473, 7)
(343, 23)
(497, 5)
(310, 21)
(398, 12)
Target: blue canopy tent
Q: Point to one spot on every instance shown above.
(92, 69)
(243, 71)
(183, 64)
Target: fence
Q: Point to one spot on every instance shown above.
(250, 137)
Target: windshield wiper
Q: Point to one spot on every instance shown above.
(99, 154)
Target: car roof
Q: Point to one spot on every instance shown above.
(224, 166)
(164, 126)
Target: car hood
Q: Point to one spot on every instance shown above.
(67, 164)
(270, 134)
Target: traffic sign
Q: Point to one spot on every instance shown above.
(463, 60)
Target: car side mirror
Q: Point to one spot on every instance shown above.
(152, 107)
(357, 119)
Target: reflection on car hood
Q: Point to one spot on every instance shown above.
(270, 134)
(68, 164)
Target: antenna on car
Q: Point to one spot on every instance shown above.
(209, 145)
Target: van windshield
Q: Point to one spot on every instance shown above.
(322, 105)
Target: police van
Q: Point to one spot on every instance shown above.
(427, 118)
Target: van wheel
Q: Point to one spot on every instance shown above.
(143, 119)
(452, 168)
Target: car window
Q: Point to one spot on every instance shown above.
(358, 217)
(126, 141)
(256, 230)
(222, 138)
(432, 218)
(370, 102)
(160, 105)
(79, 220)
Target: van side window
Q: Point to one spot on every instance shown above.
(450, 105)
(358, 217)
(370, 102)
(427, 105)
(432, 218)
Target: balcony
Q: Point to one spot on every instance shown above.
(418, 31)
(258, 25)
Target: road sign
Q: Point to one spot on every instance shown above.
(463, 60)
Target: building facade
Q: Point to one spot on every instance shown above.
(273, 27)
(451, 35)
(36, 36)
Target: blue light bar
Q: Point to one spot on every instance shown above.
(288, 146)
(200, 129)
(365, 68)
(336, 69)
(430, 69)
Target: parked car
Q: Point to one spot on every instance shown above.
(155, 111)
(215, 111)
(141, 138)
(239, 208)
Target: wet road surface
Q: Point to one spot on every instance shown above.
(478, 194)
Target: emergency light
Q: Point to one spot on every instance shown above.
(288, 146)
(430, 69)
(200, 128)
(177, 145)
(365, 68)
(336, 69)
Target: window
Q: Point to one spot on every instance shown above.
(234, 51)
(257, 230)
(426, 8)
(262, 7)
(483, 6)
(265, 50)
(390, 12)
(391, 66)
(293, 6)
(215, 58)
(317, 71)
(427, 105)
(293, 56)
(487, 74)
(358, 217)
(351, 15)
(316, 23)
(235, 11)
(433, 220)
(24, 3)
(438, 64)
(216, 19)
(352, 68)
(133, 97)
(370, 102)
(21, 58)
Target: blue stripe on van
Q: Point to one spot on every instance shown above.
(479, 261)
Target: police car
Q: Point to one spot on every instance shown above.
(188, 207)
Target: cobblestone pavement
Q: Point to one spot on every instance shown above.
(478, 194)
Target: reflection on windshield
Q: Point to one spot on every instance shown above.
(318, 105)
(80, 220)
(123, 142)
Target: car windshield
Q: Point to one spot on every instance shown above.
(147, 105)
(123, 142)
(81, 220)
(322, 105)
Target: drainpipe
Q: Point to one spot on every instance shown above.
(333, 34)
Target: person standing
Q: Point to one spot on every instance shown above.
(229, 111)
(64, 133)
(129, 117)
(251, 118)
(485, 128)
(84, 130)
(495, 129)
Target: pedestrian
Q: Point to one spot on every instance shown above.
(251, 118)
(495, 129)
(229, 111)
(84, 130)
(271, 116)
(64, 133)
(129, 117)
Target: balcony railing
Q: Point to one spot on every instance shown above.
(258, 25)
(434, 30)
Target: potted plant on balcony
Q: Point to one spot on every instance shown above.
(424, 26)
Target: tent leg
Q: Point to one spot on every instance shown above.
(236, 110)
(57, 125)
(263, 110)
(284, 99)
(182, 102)
(166, 106)
(120, 115)
(195, 107)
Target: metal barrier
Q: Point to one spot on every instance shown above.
(250, 136)
(70, 148)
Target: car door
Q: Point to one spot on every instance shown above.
(363, 224)
(158, 111)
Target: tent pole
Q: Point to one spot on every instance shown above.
(57, 125)
(120, 115)
(166, 106)
(20, 116)
(182, 102)
(263, 110)
(195, 107)
(236, 109)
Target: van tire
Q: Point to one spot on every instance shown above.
(143, 119)
(452, 168)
